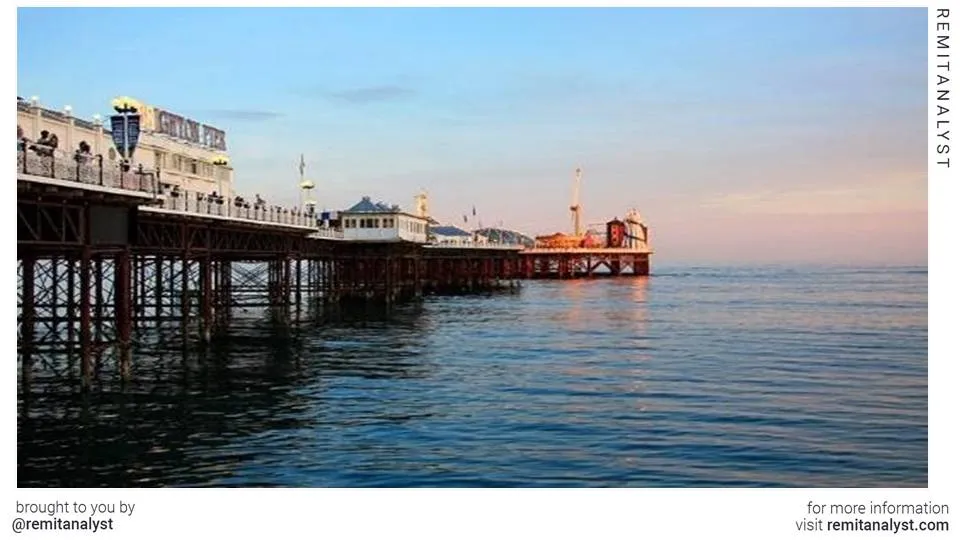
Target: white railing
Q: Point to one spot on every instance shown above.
(470, 244)
(36, 160)
(191, 202)
(373, 234)
(39, 160)
(327, 232)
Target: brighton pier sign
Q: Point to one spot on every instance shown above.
(179, 127)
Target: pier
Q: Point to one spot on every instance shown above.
(569, 263)
(103, 253)
(113, 254)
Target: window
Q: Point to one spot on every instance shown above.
(158, 160)
(193, 166)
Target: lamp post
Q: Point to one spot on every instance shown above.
(35, 118)
(68, 112)
(306, 190)
(98, 125)
(221, 163)
(306, 201)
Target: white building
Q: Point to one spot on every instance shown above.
(378, 222)
(448, 235)
(637, 234)
(190, 155)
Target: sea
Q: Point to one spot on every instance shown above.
(695, 376)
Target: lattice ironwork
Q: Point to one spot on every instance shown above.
(575, 265)
(70, 316)
(51, 223)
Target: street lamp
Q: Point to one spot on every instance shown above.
(220, 161)
(306, 189)
(306, 200)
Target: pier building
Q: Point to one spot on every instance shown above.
(192, 156)
(367, 221)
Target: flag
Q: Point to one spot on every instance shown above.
(302, 165)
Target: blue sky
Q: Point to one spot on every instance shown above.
(740, 134)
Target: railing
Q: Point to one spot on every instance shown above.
(327, 232)
(46, 162)
(600, 249)
(88, 169)
(471, 244)
(38, 160)
(192, 202)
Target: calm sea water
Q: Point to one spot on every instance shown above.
(770, 376)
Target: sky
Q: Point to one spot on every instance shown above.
(741, 135)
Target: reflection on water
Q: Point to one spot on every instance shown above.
(693, 377)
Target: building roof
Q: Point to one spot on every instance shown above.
(504, 235)
(368, 206)
(449, 230)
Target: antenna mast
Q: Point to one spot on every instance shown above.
(575, 205)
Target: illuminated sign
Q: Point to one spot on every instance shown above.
(125, 132)
(189, 130)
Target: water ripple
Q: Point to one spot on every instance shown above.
(696, 376)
